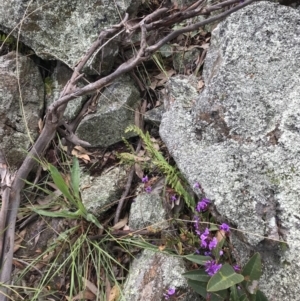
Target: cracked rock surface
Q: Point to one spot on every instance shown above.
(241, 138)
(19, 113)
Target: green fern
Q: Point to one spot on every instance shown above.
(173, 176)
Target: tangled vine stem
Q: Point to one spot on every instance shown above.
(13, 183)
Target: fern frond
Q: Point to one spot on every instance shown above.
(128, 145)
(173, 176)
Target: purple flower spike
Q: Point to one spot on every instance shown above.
(145, 179)
(213, 243)
(148, 189)
(211, 267)
(204, 237)
(202, 205)
(224, 227)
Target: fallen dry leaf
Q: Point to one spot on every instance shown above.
(40, 124)
(200, 84)
(19, 238)
(91, 286)
(138, 170)
(220, 235)
(83, 295)
(114, 294)
(161, 248)
(121, 223)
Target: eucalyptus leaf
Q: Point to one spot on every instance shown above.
(224, 278)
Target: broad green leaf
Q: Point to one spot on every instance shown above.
(233, 294)
(252, 269)
(75, 177)
(224, 278)
(200, 288)
(91, 218)
(244, 298)
(198, 275)
(60, 182)
(198, 259)
(260, 296)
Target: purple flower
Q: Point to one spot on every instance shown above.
(196, 223)
(148, 189)
(221, 252)
(205, 234)
(203, 243)
(173, 198)
(204, 237)
(170, 292)
(207, 253)
(197, 185)
(224, 227)
(213, 243)
(237, 268)
(145, 179)
(202, 205)
(211, 267)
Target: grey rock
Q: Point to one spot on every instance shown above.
(19, 116)
(154, 115)
(147, 210)
(115, 112)
(182, 90)
(54, 85)
(152, 274)
(99, 193)
(185, 61)
(241, 140)
(65, 29)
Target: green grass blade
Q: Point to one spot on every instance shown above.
(62, 213)
(75, 177)
(60, 182)
(91, 218)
